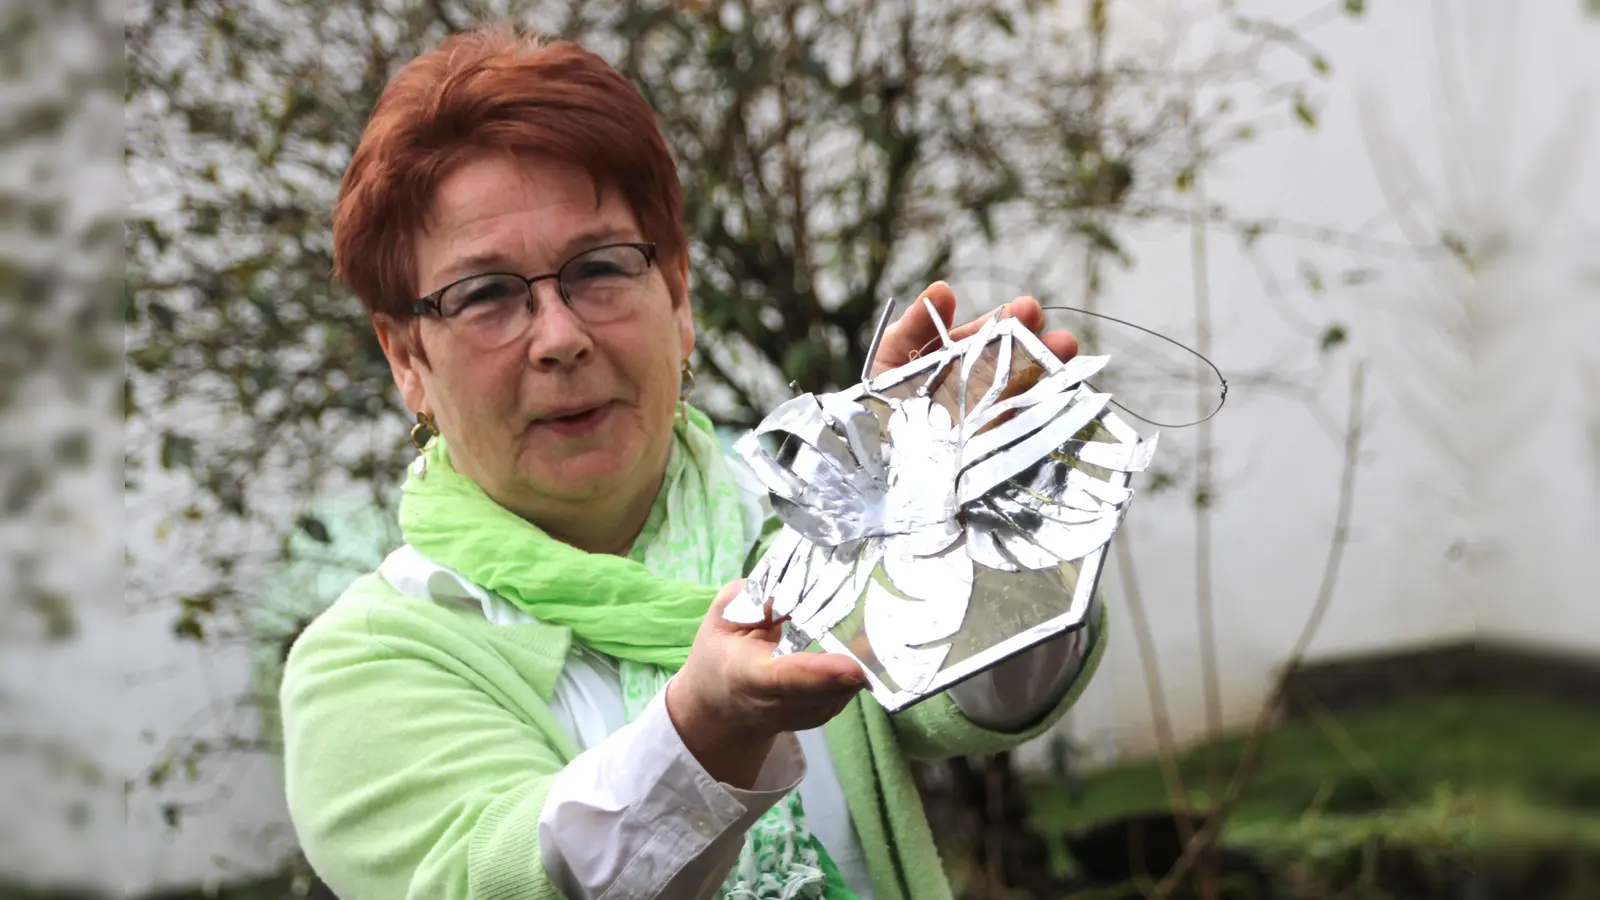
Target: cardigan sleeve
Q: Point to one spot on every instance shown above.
(409, 776)
(404, 779)
(937, 728)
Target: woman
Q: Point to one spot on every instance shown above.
(537, 696)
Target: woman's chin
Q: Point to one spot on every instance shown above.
(580, 476)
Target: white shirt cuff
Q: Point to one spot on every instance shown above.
(637, 816)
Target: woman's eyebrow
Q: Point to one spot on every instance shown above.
(596, 236)
(485, 261)
(479, 263)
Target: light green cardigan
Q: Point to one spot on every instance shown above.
(420, 745)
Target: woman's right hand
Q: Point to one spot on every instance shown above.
(732, 699)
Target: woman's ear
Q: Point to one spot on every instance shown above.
(402, 346)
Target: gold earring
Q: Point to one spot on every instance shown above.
(423, 431)
(685, 389)
(421, 434)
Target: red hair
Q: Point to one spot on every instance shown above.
(489, 92)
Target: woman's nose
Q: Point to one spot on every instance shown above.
(559, 338)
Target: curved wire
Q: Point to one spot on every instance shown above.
(1222, 380)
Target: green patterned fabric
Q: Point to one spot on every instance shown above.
(644, 610)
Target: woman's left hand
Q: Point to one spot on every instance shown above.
(914, 331)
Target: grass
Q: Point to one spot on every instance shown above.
(1416, 794)
(1400, 756)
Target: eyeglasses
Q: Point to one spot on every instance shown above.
(600, 285)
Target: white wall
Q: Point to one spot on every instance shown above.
(1518, 160)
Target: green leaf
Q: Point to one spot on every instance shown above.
(1102, 239)
(1010, 188)
(177, 451)
(801, 360)
(1355, 7)
(1002, 19)
(314, 527)
(1185, 179)
(1159, 480)
(1319, 63)
(60, 622)
(1304, 112)
(151, 357)
(1333, 337)
(985, 221)
(187, 627)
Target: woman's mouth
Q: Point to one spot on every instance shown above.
(577, 423)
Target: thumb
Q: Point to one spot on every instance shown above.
(735, 607)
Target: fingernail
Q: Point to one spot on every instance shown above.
(851, 681)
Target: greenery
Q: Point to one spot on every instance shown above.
(1420, 792)
(1392, 757)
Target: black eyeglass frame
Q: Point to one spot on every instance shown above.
(429, 305)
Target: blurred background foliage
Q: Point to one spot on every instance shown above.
(60, 279)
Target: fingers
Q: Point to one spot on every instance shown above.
(1062, 343)
(726, 595)
(1028, 311)
(914, 332)
(1024, 309)
(733, 611)
(797, 673)
(914, 328)
(801, 675)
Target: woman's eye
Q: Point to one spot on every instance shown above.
(599, 268)
(482, 296)
(488, 294)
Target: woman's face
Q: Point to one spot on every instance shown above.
(570, 421)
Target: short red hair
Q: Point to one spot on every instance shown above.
(486, 92)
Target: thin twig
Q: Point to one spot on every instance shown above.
(1203, 841)
(1166, 745)
(1205, 597)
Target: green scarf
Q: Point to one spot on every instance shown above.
(644, 609)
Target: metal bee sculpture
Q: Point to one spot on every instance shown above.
(944, 515)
